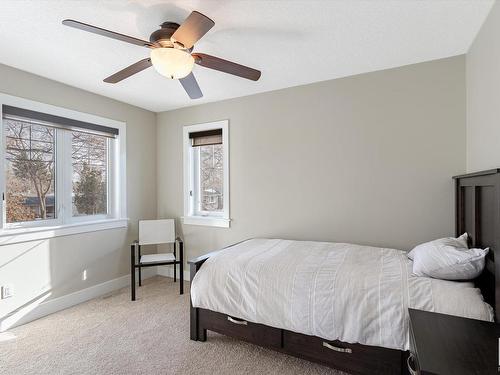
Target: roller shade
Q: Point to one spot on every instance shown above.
(206, 138)
(26, 115)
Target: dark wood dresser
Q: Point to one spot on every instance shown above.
(449, 345)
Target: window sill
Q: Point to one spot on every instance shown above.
(206, 221)
(12, 236)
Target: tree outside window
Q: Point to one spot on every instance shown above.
(89, 160)
(30, 176)
(211, 177)
(30, 165)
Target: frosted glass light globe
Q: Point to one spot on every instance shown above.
(172, 62)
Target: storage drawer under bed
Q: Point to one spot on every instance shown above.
(241, 329)
(354, 358)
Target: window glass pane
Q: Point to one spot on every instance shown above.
(30, 171)
(90, 174)
(211, 178)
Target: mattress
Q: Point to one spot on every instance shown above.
(336, 291)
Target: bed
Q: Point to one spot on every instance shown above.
(342, 305)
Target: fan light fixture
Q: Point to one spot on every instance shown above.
(171, 62)
(170, 47)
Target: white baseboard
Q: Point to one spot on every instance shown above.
(29, 313)
(168, 271)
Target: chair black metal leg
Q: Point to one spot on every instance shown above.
(181, 268)
(132, 271)
(175, 265)
(140, 272)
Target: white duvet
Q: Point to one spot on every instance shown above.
(336, 291)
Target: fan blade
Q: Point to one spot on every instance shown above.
(192, 29)
(191, 86)
(128, 71)
(109, 34)
(225, 66)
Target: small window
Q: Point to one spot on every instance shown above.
(206, 174)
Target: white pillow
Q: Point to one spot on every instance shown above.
(449, 263)
(460, 243)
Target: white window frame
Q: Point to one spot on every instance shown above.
(65, 223)
(191, 216)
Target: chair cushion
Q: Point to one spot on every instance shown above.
(152, 258)
(155, 232)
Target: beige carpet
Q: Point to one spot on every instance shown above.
(112, 335)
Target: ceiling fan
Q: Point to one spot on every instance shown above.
(171, 56)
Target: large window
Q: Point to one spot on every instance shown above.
(58, 171)
(206, 174)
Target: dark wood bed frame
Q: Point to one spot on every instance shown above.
(477, 213)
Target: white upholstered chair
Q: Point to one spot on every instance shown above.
(156, 232)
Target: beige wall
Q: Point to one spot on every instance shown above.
(51, 268)
(483, 96)
(365, 159)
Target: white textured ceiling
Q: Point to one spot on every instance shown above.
(292, 42)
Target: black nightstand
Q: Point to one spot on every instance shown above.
(444, 344)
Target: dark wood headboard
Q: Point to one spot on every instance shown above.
(477, 212)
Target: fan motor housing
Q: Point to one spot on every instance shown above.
(162, 36)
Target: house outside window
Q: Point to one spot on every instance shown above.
(206, 174)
